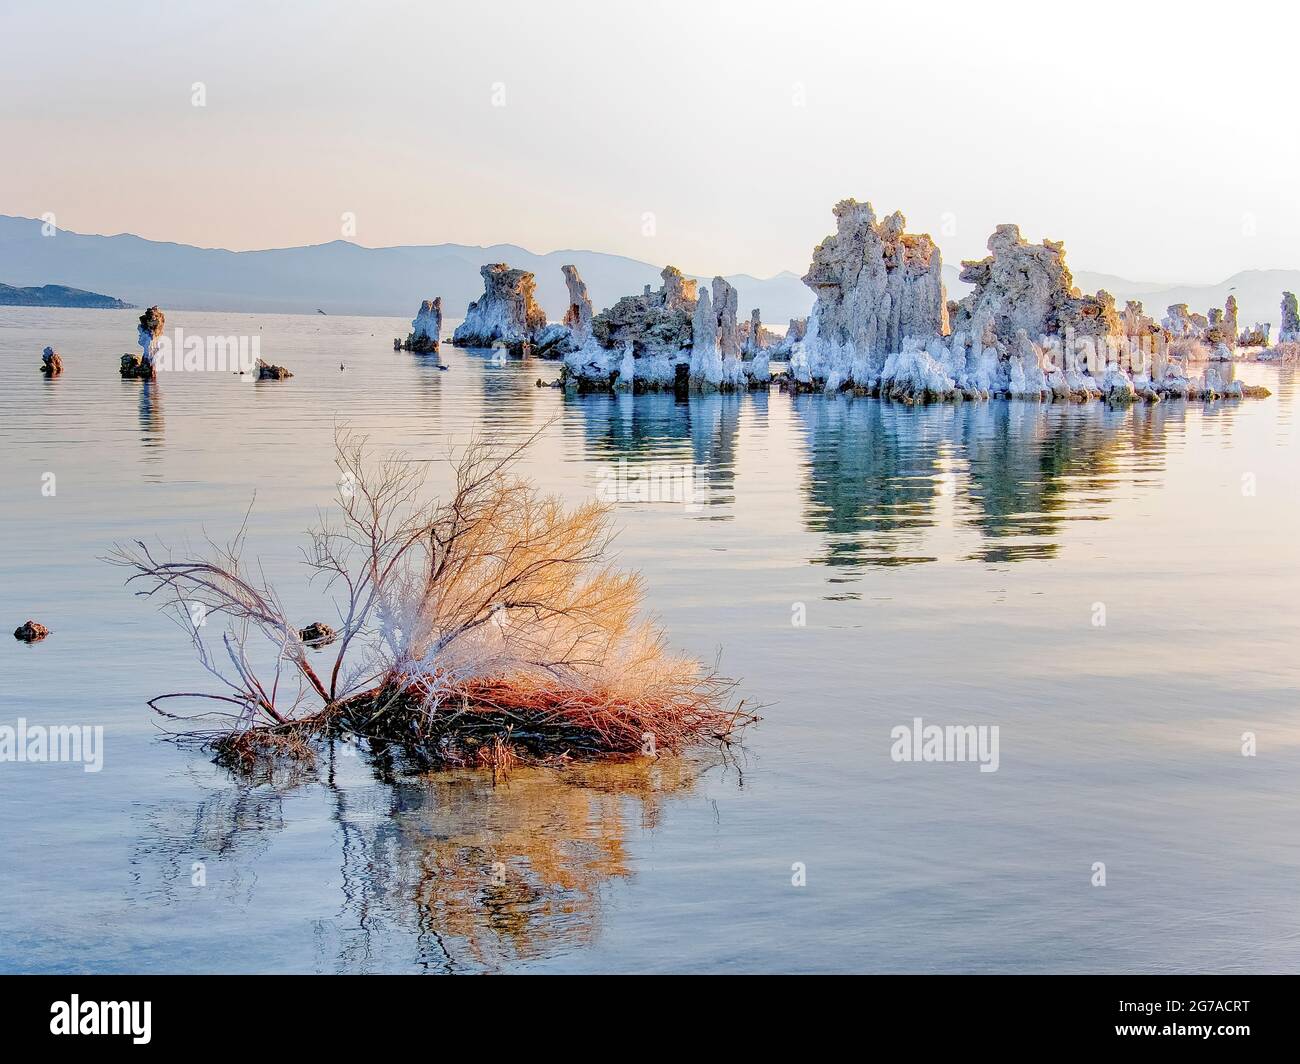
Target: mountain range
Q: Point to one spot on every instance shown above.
(345, 278)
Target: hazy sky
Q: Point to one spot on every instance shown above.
(1159, 142)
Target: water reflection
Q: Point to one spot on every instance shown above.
(1032, 467)
(510, 391)
(885, 484)
(872, 477)
(1018, 471)
(659, 429)
(444, 872)
(151, 417)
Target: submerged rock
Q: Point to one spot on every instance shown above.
(268, 372)
(51, 363)
(31, 632)
(506, 313)
(134, 366)
(318, 634)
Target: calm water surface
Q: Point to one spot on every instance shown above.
(949, 563)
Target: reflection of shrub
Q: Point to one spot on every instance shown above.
(479, 630)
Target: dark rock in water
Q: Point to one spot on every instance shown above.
(268, 372)
(136, 366)
(31, 632)
(51, 363)
(318, 634)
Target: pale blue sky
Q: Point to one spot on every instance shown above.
(1157, 144)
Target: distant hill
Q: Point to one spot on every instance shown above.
(345, 278)
(57, 295)
(1258, 292)
(339, 277)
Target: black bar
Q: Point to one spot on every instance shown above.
(976, 1013)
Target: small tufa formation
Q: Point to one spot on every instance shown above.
(716, 363)
(31, 632)
(1028, 287)
(317, 634)
(754, 336)
(578, 316)
(1137, 324)
(426, 328)
(1222, 330)
(706, 359)
(1182, 324)
(681, 338)
(1289, 333)
(150, 330)
(268, 372)
(1255, 336)
(506, 313)
(795, 332)
(51, 363)
(560, 338)
(654, 323)
(725, 303)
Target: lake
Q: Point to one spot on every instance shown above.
(1114, 589)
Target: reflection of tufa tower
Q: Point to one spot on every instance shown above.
(1021, 472)
(660, 435)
